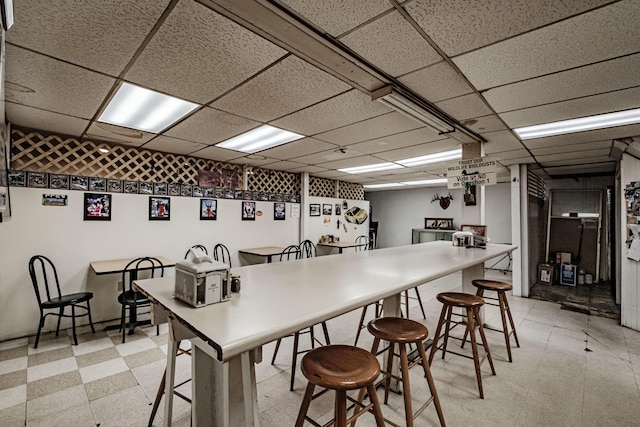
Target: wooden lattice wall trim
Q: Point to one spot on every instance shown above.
(272, 181)
(349, 190)
(322, 187)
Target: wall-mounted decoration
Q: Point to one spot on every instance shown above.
(209, 192)
(438, 223)
(338, 210)
(173, 189)
(219, 193)
(38, 179)
(79, 183)
(469, 195)
(58, 181)
(185, 190)
(159, 208)
(17, 179)
(229, 178)
(114, 185)
(54, 200)
(145, 188)
(97, 184)
(238, 194)
(279, 211)
(208, 209)
(326, 209)
(295, 211)
(130, 187)
(248, 211)
(97, 207)
(228, 193)
(196, 191)
(263, 196)
(314, 209)
(444, 201)
(356, 215)
(160, 189)
(207, 178)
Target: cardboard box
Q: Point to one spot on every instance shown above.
(568, 274)
(545, 274)
(563, 258)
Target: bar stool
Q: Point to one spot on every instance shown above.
(500, 288)
(472, 304)
(401, 331)
(341, 368)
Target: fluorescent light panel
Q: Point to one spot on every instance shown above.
(399, 102)
(258, 139)
(143, 109)
(391, 184)
(432, 158)
(581, 124)
(426, 182)
(371, 168)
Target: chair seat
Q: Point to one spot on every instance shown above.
(340, 367)
(132, 297)
(67, 300)
(459, 299)
(491, 285)
(397, 329)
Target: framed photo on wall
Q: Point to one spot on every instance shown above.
(208, 209)
(248, 211)
(279, 211)
(326, 209)
(159, 208)
(314, 209)
(97, 207)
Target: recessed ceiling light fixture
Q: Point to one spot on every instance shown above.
(413, 108)
(581, 124)
(371, 168)
(432, 158)
(426, 182)
(390, 184)
(143, 109)
(258, 139)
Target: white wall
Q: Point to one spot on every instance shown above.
(72, 243)
(630, 270)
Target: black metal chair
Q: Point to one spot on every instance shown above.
(201, 247)
(290, 252)
(132, 299)
(221, 253)
(43, 275)
(307, 249)
(363, 243)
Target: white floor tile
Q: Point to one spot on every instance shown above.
(91, 346)
(13, 365)
(135, 346)
(50, 369)
(13, 396)
(18, 342)
(101, 370)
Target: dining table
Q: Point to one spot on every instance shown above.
(341, 245)
(265, 251)
(281, 298)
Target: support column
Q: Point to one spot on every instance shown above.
(472, 213)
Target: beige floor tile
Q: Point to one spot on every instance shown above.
(13, 396)
(102, 370)
(48, 342)
(91, 346)
(13, 353)
(56, 403)
(110, 385)
(129, 407)
(9, 344)
(96, 357)
(76, 416)
(15, 416)
(53, 384)
(135, 346)
(50, 356)
(50, 369)
(12, 365)
(144, 357)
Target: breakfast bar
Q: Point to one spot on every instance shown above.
(281, 298)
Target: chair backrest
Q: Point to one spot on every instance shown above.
(290, 252)
(221, 253)
(134, 267)
(478, 230)
(201, 247)
(44, 278)
(363, 243)
(307, 249)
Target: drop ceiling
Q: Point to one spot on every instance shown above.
(309, 66)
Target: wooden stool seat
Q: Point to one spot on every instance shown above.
(400, 331)
(341, 368)
(505, 312)
(471, 304)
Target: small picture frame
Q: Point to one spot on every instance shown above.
(445, 223)
(130, 187)
(279, 210)
(197, 191)
(38, 179)
(248, 211)
(185, 190)
(431, 223)
(114, 185)
(209, 192)
(59, 181)
(17, 178)
(228, 193)
(338, 210)
(314, 209)
(97, 207)
(160, 188)
(159, 208)
(238, 194)
(208, 209)
(219, 193)
(173, 189)
(79, 183)
(326, 209)
(145, 188)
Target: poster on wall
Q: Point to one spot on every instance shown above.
(314, 209)
(279, 211)
(248, 211)
(159, 208)
(295, 211)
(208, 209)
(97, 207)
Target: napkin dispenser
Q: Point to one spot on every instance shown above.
(202, 281)
(462, 238)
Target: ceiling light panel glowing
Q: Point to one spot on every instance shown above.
(432, 158)
(391, 184)
(371, 168)
(581, 124)
(143, 109)
(259, 139)
(426, 182)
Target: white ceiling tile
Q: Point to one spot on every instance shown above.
(419, 150)
(574, 158)
(580, 107)
(514, 154)
(288, 86)
(573, 148)
(210, 126)
(581, 169)
(342, 110)
(376, 127)
(255, 161)
(77, 31)
(330, 174)
(400, 140)
(392, 44)
(59, 87)
(351, 162)
(217, 153)
(338, 16)
(485, 124)
(198, 55)
(298, 148)
(283, 165)
(437, 82)
(567, 44)
(308, 168)
(122, 135)
(501, 141)
(579, 82)
(35, 118)
(173, 145)
(459, 25)
(328, 156)
(465, 107)
(582, 137)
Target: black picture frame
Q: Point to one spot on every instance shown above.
(97, 206)
(173, 189)
(80, 183)
(248, 210)
(326, 209)
(279, 211)
(17, 178)
(159, 208)
(314, 209)
(97, 184)
(58, 181)
(145, 187)
(160, 188)
(130, 187)
(114, 185)
(208, 209)
(38, 179)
